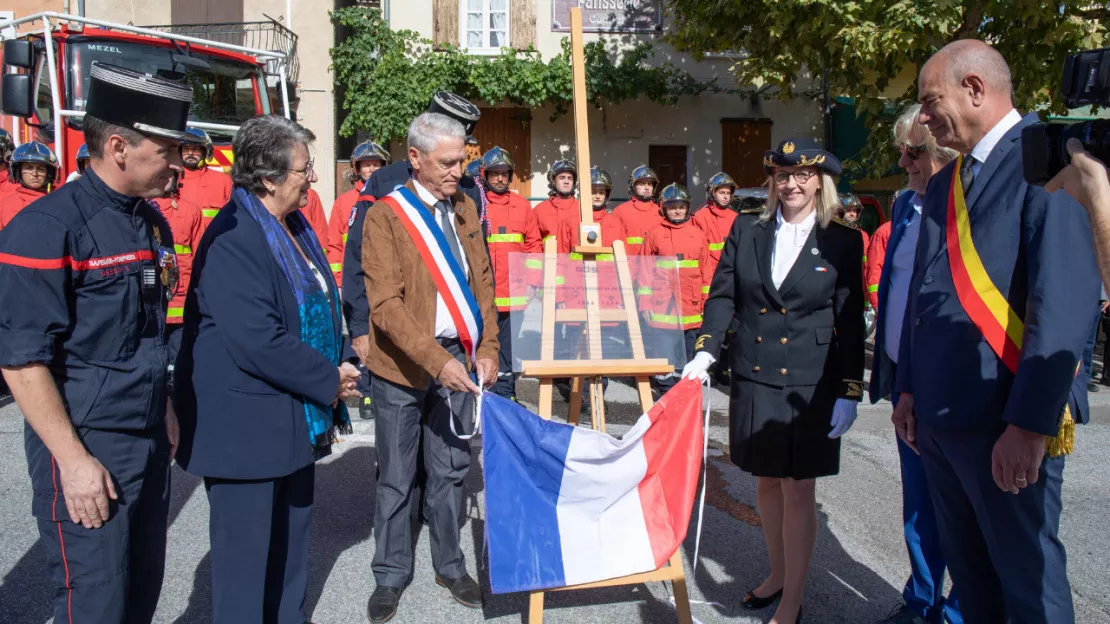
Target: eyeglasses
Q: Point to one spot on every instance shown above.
(914, 151)
(801, 176)
(307, 171)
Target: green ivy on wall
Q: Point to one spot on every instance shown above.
(390, 76)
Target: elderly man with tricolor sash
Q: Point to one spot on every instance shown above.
(433, 340)
(996, 319)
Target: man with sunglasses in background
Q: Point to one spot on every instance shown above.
(921, 157)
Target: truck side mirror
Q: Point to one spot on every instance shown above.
(17, 97)
(19, 53)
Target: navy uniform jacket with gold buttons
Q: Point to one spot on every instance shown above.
(72, 271)
(809, 329)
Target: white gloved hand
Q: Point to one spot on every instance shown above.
(843, 415)
(698, 368)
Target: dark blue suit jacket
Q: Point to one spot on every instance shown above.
(882, 369)
(243, 366)
(1037, 249)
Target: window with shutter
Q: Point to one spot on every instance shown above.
(484, 26)
(445, 22)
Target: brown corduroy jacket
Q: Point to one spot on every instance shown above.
(402, 295)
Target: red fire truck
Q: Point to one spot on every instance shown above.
(46, 77)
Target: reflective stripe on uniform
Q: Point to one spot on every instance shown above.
(505, 238)
(533, 264)
(681, 264)
(873, 288)
(175, 313)
(344, 238)
(182, 249)
(635, 240)
(208, 213)
(574, 256)
(336, 267)
(502, 302)
(705, 290)
(560, 280)
(716, 246)
(644, 290)
(670, 318)
(604, 257)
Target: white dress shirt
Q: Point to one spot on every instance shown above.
(898, 285)
(445, 325)
(789, 240)
(985, 146)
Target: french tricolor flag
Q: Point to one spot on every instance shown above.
(567, 505)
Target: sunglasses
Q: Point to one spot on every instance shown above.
(914, 151)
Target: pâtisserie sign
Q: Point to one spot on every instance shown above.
(609, 15)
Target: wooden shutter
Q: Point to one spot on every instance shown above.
(445, 22)
(511, 129)
(669, 163)
(743, 142)
(522, 26)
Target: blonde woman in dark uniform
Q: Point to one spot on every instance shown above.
(793, 279)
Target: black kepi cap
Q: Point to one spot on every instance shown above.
(142, 102)
(801, 153)
(456, 107)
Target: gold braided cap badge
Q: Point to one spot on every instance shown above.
(788, 148)
(809, 162)
(700, 344)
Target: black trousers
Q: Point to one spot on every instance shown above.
(259, 531)
(110, 575)
(402, 414)
(506, 378)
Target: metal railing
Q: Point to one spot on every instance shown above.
(264, 35)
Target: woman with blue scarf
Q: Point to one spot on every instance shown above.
(261, 382)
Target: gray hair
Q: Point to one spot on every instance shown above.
(428, 129)
(908, 125)
(263, 149)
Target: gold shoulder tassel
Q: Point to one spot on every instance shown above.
(1064, 442)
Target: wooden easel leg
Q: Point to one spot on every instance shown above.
(597, 398)
(575, 408)
(643, 386)
(545, 398)
(681, 596)
(535, 608)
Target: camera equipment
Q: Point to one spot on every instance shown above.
(1085, 81)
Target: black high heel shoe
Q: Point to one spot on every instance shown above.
(753, 602)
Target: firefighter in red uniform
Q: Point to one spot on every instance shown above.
(34, 167)
(207, 188)
(313, 211)
(7, 146)
(560, 211)
(715, 220)
(638, 215)
(513, 229)
(366, 158)
(676, 243)
(185, 225)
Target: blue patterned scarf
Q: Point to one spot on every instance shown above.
(319, 328)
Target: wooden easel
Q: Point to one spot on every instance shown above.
(592, 369)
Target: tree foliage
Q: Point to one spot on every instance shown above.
(865, 44)
(390, 76)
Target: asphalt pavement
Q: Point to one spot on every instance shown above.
(858, 570)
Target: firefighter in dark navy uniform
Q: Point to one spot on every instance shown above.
(85, 354)
(794, 282)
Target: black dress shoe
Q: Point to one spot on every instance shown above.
(753, 602)
(383, 603)
(464, 590)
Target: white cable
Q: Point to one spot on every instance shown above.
(704, 471)
(477, 413)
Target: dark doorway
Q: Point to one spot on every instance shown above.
(669, 163)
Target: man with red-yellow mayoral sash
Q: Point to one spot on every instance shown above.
(989, 372)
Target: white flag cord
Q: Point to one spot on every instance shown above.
(477, 413)
(704, 472)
